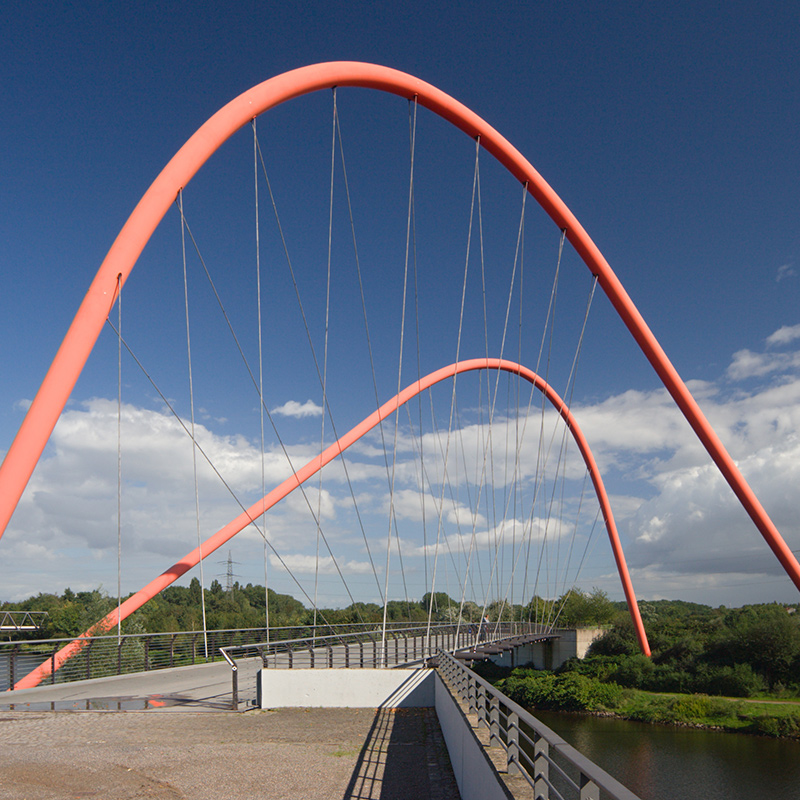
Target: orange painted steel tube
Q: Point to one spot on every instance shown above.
(316, 464)
(74, 351)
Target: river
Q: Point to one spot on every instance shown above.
(659, 762)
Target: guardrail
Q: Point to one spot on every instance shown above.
(553, 768)
(359, 649)
(112, 655)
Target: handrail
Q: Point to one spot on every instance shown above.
(110, 654)
(454, 634)
(457, 637)
(530, 756)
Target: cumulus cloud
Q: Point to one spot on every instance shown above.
(292, 408)
(678, 517)
(784, 335)
(301, 564)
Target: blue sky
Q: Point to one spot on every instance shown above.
(670, 131)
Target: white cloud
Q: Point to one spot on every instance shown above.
(676, 513)
(785, 271)
(307, 564)
(784, 335)
(292, 408)
(747, 364)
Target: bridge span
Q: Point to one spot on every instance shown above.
(450, 735)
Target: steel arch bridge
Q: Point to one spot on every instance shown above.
(58, 384)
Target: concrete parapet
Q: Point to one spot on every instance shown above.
(346, 688)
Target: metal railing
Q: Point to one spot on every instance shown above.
(108, 655)
(358, 649)
(553, 768)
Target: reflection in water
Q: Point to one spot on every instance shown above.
(660, 762)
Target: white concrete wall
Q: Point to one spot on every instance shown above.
(573, 642)
(474, 772)
(346, 688)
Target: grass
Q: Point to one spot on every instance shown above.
(570, 692)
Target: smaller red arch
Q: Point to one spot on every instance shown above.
(329, 454)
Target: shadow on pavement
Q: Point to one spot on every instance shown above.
(403, 756)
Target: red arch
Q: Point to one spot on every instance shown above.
(316, 464)
(68, 363)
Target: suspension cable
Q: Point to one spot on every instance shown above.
(216, 471)
(119, 459)
(191, 404)
(260, 366)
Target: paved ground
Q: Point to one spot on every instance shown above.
(290, 753)
(120, 751)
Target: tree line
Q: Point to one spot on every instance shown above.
(735, 652)
(179, 608)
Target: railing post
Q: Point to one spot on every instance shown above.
(541, 768)
(588, 788)
(482, 705)
(494, 721)
(172, 650)
(88, 652)
(119, 656)
(11, 666)
(347, 655)
(291, 657)
(471, 695)
(512, 741)
(361, 653)
(147, 653)
(234, 688)
(52, 667)
(194, 647)
(374, 654)
(329, 648)
(311, 653)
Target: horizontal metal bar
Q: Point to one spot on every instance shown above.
(567, 752)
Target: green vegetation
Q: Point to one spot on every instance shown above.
(707, 667)
(178, 608)
(571, 691)
(740, 652)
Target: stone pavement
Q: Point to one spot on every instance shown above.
(336, 754)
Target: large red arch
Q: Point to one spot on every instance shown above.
(82, 334)
(329, 454)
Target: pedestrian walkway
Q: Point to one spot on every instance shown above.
(202, 687)
(140, 752)
(288, 753)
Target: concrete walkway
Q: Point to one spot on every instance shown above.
(341, 754)
(329, 754)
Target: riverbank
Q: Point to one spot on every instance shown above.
(572, 692)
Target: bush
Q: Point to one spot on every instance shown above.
(737, 681)
(633, 671)
(768, 725)
(566, 692)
